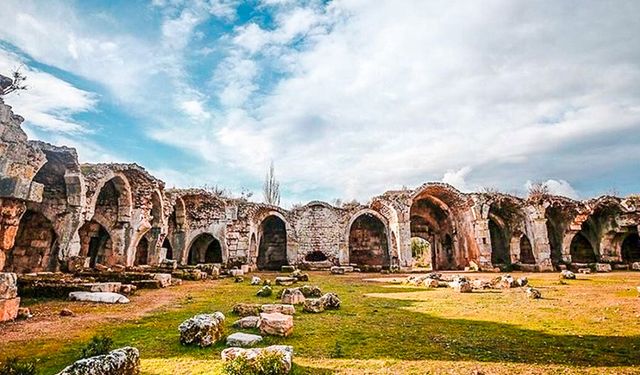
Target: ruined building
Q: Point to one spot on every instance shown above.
(55, 210)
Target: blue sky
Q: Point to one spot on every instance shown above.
(349, 98)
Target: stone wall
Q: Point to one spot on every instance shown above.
(120, 214)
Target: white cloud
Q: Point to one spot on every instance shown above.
(49, 103)
(457, 179)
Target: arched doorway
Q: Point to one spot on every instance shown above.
(421, 252)
(631, 248)
(526, 251)
(205, 249)
(95, 242)
(168, 249)
(581, 250)
(142, 252)
(431, 220)
(272, 251)
(35, 248)
(368, 243)
(499, 245)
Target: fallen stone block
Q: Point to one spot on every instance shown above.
(278, 308)
(243, 339)
(287, 269)
(461, 286)
(100, 297)
(310, 291)
(123, 361)
(202, 330)
(567, 275)
(635, 266)
(584, 271)
(105, 287)
(255, 280)
(265, 291)
(246, 309)
(285, 281)
(533, 293)
(603, 267)
(236, 272)
(275, 324)
(292, 297)
(247, 322)
(163, 278)
(313, 305)
(330, 301)
(337, 270)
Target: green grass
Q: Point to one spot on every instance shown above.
(585, 325)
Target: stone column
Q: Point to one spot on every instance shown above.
(11, 210)
(540, 240)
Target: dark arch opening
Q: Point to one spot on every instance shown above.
(431, 220)
(272, 251)
(368, 243)
(95, 243)
(631, 248)
(35, 248)
(169, 250)
(499, 246)
(582, 250)
(205, 249)
(315, 256)
(142, 252)
(526, 251)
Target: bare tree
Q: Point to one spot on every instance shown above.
(9, 85)
(271, 188)
(538, 190)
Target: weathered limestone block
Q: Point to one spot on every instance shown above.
(584, 271)
(533, 293)
(100, 297)
(603, 267)
(635, 266)
(114, 287)
(313, 305)
(252, 355)
(123, 361)
(247, 322)
(287, 269)
(163, 278)
(330, 301)
(337, 270)
(278, 308)
(292, 297)
(243, 339)
(8, 285)
(310, 291)
(202, 330)
(567, 275)
(275, 324)
(236, 272)
(246, 309)
(9, 308)
(285, 281)
(255, 280)
(480, 284)
(461, 286)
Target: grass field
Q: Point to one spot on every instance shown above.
(590, 325)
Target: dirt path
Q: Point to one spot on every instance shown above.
(47, 322)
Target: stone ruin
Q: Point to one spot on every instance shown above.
(59, 215)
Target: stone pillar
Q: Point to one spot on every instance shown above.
(483, 240)
(9, 300)
(540, 237)
(11, 210)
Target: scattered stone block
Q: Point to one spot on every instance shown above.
(287, 269)
(507, 281)
(567, 275)
(603, 267)
(253, 355)
(278, 308)
(275, 324)
(99, 297)
(106, 287)
(522, 281)
(310, 291)
(330, 301)
(123, 361)
(285, 281)
(163, 278)
(461, 286)
(480, 284)
(635, 266)
(243, 339)
(255, 280)
(337, 270)
(247, 322)
(313, 305)
(584, 270)
(246, 309)
(533, 293)
(238, 279)
(202, 330)
(430, 283)
(299, 276)
(292, 297)
(9, 308)
(265, 291)
(236, 272)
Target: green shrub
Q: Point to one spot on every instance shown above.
(98, 345)
(337, 351)
(16, 366)
(266, 363)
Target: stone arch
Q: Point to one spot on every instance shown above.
(433, 215)
(631, 248)
(272, 249)
(113, 195)
(499, 242)
(526, 251)
(205, 248)
(95, 242)
(369, 240)
(36, 245)
(582, 251)
(166, 244)
(142, 251)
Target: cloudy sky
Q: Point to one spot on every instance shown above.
(349, 98)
